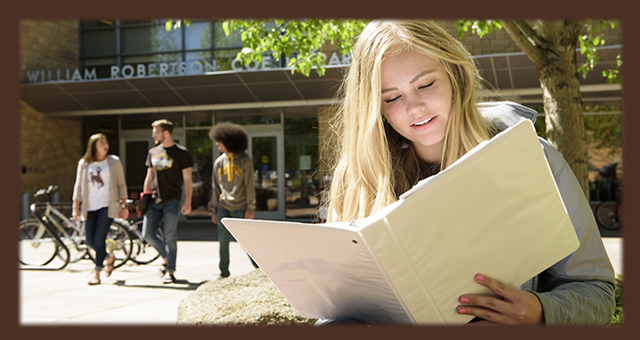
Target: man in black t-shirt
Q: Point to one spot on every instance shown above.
(168, 169)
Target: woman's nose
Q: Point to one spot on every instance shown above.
(416, 104)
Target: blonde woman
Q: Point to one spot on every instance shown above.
(409, 109)
(99, 196)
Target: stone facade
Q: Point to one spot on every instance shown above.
(49, 147)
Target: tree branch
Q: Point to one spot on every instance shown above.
(525, 37)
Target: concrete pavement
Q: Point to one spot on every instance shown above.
(134, 294)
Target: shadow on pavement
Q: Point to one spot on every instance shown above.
(179, 285)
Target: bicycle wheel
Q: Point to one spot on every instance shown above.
(78, 250)
(119, 243)
(606, 215)
(143, 252)
(36, 245)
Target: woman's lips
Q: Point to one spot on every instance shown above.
(424, 122)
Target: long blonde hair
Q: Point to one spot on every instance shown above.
(375, 164)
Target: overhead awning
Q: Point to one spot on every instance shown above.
(512, 73)
(220, 88)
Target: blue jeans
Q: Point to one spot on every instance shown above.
(96, 227)
(224, 237)
(168, 210)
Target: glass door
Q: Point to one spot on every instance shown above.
(266, 149)
(134, 145)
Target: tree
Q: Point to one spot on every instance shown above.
(549, 44)
(299, 40)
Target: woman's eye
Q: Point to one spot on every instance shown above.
(428, 85)
(391, 100)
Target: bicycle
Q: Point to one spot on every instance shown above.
(142, 252)
(609, 214)
(71, 233)
(38, 244)
(609, 211)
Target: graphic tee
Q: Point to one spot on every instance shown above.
(167, 165)
(99, 185)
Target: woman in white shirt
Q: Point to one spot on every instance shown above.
(99, 196)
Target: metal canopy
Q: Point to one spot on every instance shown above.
(513, 74)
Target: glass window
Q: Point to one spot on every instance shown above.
(97, 23)
(200, 148)
(265, 165)
(98, 42)
(198, 36)
(151, 39)
(221, 40)
(199, 118)
(144, 120)
(152, 58)
(303, 183)
(101, 65)
(99, 61)
(249, 116)
(143, 22)
(156, 64)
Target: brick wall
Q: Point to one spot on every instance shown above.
(49, 147)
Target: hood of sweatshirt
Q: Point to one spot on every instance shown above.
(504, 114)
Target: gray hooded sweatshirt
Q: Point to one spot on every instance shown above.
(580, 289)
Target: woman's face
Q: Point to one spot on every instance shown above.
(416, 101)
(102, 148)
(221, 147)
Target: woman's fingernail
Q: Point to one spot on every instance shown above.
(461, 311)
(479, 277)
(464, 299)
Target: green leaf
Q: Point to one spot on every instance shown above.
(225, 27)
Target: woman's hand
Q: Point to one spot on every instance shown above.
(515, 307)
(124, 213)
(75, 213)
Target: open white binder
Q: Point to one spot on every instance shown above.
(496, 211)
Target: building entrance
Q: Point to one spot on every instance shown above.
(266, 149)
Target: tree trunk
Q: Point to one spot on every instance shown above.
(563, 115)
(551, 45)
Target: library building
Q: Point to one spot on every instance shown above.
(116, 77)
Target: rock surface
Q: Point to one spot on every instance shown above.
(249, 299)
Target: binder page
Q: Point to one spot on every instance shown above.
(324, 270)
(498, 212)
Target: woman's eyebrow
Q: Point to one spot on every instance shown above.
(420, 75)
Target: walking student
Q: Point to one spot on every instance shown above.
(233, 189)
(99, 196)
(168, 170)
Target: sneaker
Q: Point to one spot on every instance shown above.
(170, 279)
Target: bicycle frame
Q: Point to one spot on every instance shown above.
(46, 223)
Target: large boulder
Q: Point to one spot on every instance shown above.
(249, 299)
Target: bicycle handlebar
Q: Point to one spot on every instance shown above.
(48, 191)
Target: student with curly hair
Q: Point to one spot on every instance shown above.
(410, 108)
(233, 190)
